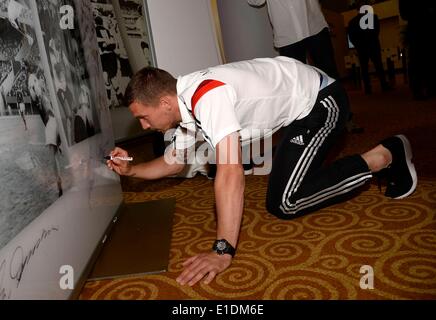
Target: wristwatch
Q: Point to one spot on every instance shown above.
(223, 247)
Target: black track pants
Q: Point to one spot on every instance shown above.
(298, 183)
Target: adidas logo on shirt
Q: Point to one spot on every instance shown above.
(297, 140)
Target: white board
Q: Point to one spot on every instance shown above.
(65, 234)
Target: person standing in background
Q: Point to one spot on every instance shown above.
(420, 16)
(300, 29)
(367, 43)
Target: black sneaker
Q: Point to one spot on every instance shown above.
(401, 173)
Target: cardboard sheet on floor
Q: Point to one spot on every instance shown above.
(139, 241)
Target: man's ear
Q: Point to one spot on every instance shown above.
(165, 102)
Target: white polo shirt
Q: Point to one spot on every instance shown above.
(293, 20)
(255, 98)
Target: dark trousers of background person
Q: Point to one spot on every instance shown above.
(422, 65)
(320, 49)
(299, 183)
(371, 52)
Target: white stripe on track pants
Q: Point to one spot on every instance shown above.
(299, 183)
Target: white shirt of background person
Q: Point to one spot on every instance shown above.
(293, 20)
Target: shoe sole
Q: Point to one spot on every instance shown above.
(410, 165)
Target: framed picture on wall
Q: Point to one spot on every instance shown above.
(124, 42)
(134, 19)
(32, 176)
(54, 132)
(67, 66)
(117, 71)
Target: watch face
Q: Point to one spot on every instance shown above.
(221, 245)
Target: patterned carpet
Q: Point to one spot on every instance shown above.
(318, 256)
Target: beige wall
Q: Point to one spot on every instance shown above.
(184, 35)
(246, 31)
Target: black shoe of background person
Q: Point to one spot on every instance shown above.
(420, 97)
(419, 94)
(368, 91)
(431, 93)
(387, 88)
(401, 174)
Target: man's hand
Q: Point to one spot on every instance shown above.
(123, 168)
(197, 267)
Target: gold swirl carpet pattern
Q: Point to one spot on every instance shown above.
(318, 256)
